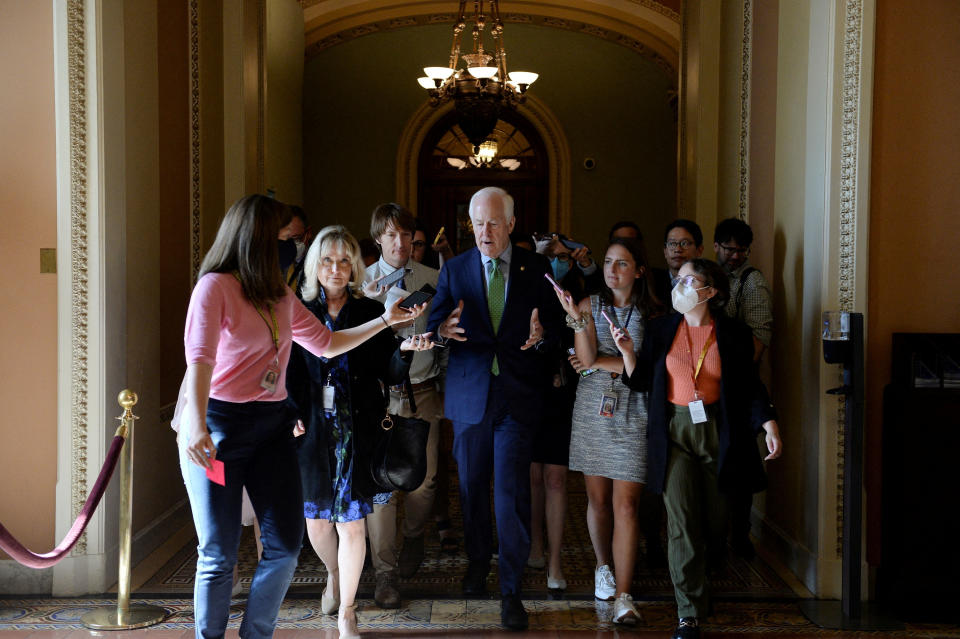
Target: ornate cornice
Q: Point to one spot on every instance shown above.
(849, 152)
(195, 200)
(746, 62)
(77, 79)
(340, 37)
(653, 5)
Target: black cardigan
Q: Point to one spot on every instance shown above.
(377, 360)
(744, 405)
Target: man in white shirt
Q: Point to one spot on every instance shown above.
(392, 228)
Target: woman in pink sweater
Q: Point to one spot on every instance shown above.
(237, 427)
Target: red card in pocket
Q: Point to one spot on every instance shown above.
(216, 474)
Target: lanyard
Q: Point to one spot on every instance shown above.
(272, 324)
(703, 353)
(626, 324)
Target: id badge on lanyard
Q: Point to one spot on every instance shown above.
(329, 397)
(271, 377)
(698, 411)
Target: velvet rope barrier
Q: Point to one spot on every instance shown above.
(30, 559)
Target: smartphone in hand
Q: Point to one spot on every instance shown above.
(553, 282)
(392, 278)
(612, 319)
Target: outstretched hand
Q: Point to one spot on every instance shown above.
(536, 331)
(417, 343)
(398, 315)
(450, 328)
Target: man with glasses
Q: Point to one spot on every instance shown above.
(751, 303)
(682, 241)
(750, 299)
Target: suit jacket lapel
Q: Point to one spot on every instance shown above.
(514, 286)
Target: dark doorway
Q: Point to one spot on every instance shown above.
(449, 174)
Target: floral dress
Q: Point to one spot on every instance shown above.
(343, 506)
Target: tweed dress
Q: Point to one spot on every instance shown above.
(613, 447)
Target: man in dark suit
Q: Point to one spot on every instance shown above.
(499, 316)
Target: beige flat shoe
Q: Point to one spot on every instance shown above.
(329, 604)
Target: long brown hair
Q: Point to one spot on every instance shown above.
(246, 244)
(642, 295)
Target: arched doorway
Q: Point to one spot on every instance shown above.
(449, 174)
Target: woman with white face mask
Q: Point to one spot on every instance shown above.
(706, 407)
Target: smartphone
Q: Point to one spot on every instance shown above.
(392, 278)
(585, 372)
(573, 246)
(553, 282)
(439, 235)
(415, 299)
(612, 320)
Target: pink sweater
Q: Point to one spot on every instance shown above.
(224, 330)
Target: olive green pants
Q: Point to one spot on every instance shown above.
(696, 510)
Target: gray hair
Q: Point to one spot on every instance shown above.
(492, 191)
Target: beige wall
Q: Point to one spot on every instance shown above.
(157, 281)
(28, 324)
(915, 188)
(284, 133)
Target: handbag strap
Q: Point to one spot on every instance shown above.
(407, 388)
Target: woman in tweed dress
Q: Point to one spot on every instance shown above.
(608, 441)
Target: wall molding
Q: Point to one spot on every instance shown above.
(193, 26)
(746, 73)
(79, 283)
(625, 36)
(850, 113)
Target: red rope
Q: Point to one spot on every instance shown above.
(30, 559)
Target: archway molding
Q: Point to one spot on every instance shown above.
(535, 111)
(647, 27)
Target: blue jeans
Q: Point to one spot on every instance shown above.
(501, 446)
(254, 440)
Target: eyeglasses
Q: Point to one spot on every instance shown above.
(417, 244)
(688, 280)
(673, 245)
(736, 250)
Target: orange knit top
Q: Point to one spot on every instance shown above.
(682, 361)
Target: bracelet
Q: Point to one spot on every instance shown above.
(576, 324)
(385, 323)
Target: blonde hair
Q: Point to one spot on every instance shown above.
(335, 235)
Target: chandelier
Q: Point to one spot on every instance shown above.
(483, 87)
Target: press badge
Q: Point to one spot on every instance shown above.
(698, 414)
(608, 404)
(329, 397)
(270, 378)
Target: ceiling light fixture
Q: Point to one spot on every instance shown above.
(483, 87)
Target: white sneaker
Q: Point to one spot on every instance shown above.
(604, 585)
(623, 610)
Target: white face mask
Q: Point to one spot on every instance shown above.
(301, 249)
(685, 298)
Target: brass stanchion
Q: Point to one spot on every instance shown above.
(123, 617)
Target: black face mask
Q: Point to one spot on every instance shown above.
(288, 253)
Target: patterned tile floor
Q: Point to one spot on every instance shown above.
(301, 619)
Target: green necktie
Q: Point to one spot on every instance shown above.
(495, 298)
